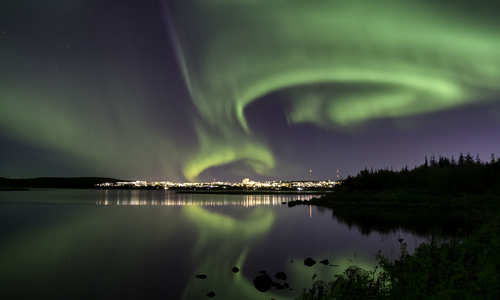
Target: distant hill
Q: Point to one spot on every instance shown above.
(53, 182)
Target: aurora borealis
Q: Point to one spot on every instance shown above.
(230, 89)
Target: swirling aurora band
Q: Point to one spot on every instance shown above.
(416, 57)
(103, 103)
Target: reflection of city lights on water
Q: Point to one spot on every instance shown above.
(159, 198)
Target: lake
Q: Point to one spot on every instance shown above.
(96, 244)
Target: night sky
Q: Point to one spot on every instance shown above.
(227, 89)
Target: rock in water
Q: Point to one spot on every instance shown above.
(309, 262)
(325, 262)
(235, 269)
(280, 276)
(211, 294)
(262, 283)
(201, 276)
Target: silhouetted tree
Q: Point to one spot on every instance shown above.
(461, 159)
(468, 159)
(433, 161)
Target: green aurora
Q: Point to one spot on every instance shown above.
(417, 57)
(340, 64)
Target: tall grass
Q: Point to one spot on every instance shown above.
(468, 268)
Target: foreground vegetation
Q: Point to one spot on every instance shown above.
(457, 269)
(443, 193)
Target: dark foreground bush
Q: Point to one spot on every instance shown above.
(455, 269)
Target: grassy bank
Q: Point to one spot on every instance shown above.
(459, 198)
(466, 268)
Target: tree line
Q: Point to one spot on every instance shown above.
(465, 174)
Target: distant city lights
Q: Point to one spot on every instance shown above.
(245, 185)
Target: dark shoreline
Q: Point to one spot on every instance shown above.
(13, 189)
(24, 184)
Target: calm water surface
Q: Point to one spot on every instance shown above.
(89, 244)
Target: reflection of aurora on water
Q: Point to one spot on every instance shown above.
(164, 247)
(225, 242)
